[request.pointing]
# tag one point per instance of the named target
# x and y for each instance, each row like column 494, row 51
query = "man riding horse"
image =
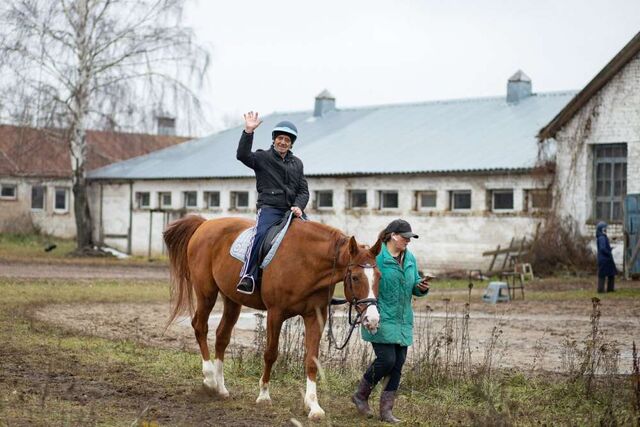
column 280, row 183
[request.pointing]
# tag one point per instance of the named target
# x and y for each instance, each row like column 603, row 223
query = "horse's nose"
column 371, row 318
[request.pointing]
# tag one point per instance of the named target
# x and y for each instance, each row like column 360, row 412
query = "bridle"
column 354, row 302
column 348, row 282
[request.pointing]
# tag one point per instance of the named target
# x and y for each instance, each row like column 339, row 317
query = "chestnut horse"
column 299, row 281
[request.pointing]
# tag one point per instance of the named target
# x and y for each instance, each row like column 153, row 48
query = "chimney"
column 325, row 102
column 518, row 87
column 166, row 125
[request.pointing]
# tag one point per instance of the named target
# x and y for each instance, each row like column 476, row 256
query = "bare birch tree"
column 80, row 64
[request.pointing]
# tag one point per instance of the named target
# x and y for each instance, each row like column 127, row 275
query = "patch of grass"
column 582, row 294
column 20, row 247
column 14, row 245
column 21, row 292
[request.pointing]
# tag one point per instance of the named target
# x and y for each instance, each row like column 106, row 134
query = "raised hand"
column 251, row 122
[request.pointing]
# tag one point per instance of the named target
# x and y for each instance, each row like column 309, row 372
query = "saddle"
column 272, row 241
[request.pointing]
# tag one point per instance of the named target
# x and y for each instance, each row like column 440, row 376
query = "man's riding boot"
column 246, row 285
column 387, row 398
column 361, row 398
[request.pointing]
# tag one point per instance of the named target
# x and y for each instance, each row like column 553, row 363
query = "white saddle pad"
column 241, row 246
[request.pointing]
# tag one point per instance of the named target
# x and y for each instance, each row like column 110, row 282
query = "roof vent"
column 325, row 102
column 518, row 87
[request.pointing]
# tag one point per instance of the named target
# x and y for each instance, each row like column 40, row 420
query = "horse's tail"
column 176, row 237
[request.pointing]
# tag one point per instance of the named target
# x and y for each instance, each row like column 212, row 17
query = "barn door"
column 632, row 232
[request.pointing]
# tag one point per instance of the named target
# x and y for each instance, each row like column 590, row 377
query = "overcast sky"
column 278, row 55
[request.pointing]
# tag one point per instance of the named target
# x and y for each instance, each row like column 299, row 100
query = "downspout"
column 130, row 217
column 101, row 226
column 150, row 232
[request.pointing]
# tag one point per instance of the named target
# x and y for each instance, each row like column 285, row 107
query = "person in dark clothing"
column 280, row 183
column 606, row 266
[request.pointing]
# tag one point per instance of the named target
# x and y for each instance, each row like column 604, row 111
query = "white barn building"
column 462, row 172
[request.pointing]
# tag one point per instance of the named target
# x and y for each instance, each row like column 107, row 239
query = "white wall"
column 448, row 240
column 57, row 222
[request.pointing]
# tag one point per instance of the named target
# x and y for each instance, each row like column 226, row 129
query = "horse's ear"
column 353, row 247
column 375, row 250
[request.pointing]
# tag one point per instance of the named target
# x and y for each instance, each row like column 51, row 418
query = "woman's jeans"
column 389, row 361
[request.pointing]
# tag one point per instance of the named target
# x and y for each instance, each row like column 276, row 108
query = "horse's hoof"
column 316, row 415
column 210, row 383
column 263, row 400
column 224, row 393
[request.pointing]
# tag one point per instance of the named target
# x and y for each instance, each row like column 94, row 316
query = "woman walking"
column 399, row 282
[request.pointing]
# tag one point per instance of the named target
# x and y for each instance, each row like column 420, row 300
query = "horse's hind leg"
column 205, row 303
column 223, row 336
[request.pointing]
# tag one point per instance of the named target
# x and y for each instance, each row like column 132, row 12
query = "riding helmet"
column 287, row 128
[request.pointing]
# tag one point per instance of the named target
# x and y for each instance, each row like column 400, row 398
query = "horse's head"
column 361, row 282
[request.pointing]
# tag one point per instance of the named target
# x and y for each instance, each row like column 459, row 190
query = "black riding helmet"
column 286, row 128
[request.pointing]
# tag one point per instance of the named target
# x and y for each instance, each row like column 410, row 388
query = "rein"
column 353, row 322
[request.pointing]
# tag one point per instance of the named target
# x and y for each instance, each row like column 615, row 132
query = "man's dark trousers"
column 265, row 218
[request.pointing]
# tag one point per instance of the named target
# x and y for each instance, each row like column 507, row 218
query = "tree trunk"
column 78, row 135
column 84, row 223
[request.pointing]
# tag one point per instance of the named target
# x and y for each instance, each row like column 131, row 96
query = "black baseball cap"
column 401, row 227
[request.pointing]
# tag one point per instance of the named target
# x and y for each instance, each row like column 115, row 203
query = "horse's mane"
column 324, row 232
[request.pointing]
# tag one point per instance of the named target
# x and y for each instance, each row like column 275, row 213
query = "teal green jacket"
column 397, row 286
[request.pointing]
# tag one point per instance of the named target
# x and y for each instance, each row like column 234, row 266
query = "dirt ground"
column 31, row 270
column 533, row 333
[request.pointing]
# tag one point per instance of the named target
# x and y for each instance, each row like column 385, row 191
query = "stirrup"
column 338, row 301
column 246, row 282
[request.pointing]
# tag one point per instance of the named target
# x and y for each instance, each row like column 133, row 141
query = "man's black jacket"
column 280, row 182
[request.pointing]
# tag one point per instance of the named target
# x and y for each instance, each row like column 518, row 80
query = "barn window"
column 537, row 199
column 239, row 199
column 143, row 199
column 190, row 199
column 212, row 199
column 165, row 199
column 61, row 199
column 8, row 191
column 501, row 200
column 610, row 171
column 425, row 200
column 460, row 200
column 388, row 199
column 324, row 199
column 357, row 198
column 38, row 193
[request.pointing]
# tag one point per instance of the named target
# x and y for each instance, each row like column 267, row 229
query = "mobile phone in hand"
column 428, row 277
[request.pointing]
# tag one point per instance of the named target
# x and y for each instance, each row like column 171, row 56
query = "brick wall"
column 611, row 116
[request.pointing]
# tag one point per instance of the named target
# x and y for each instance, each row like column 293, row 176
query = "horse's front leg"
column 313, row 324
column 223, row 336
column 275, row 318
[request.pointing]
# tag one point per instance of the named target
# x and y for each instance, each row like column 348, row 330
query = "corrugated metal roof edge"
column 439, row 101
column 329, row 175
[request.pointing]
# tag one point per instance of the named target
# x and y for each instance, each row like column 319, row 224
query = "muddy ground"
column 530, row 330
column 32, row 270
column 531, row 333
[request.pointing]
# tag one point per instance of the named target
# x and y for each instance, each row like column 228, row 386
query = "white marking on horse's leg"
column 311, row 401
column 263, row 397
column 218, row 368
column 209, row 376
column 372, row 316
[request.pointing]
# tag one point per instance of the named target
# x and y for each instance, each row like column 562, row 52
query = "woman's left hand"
column 423, row 286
